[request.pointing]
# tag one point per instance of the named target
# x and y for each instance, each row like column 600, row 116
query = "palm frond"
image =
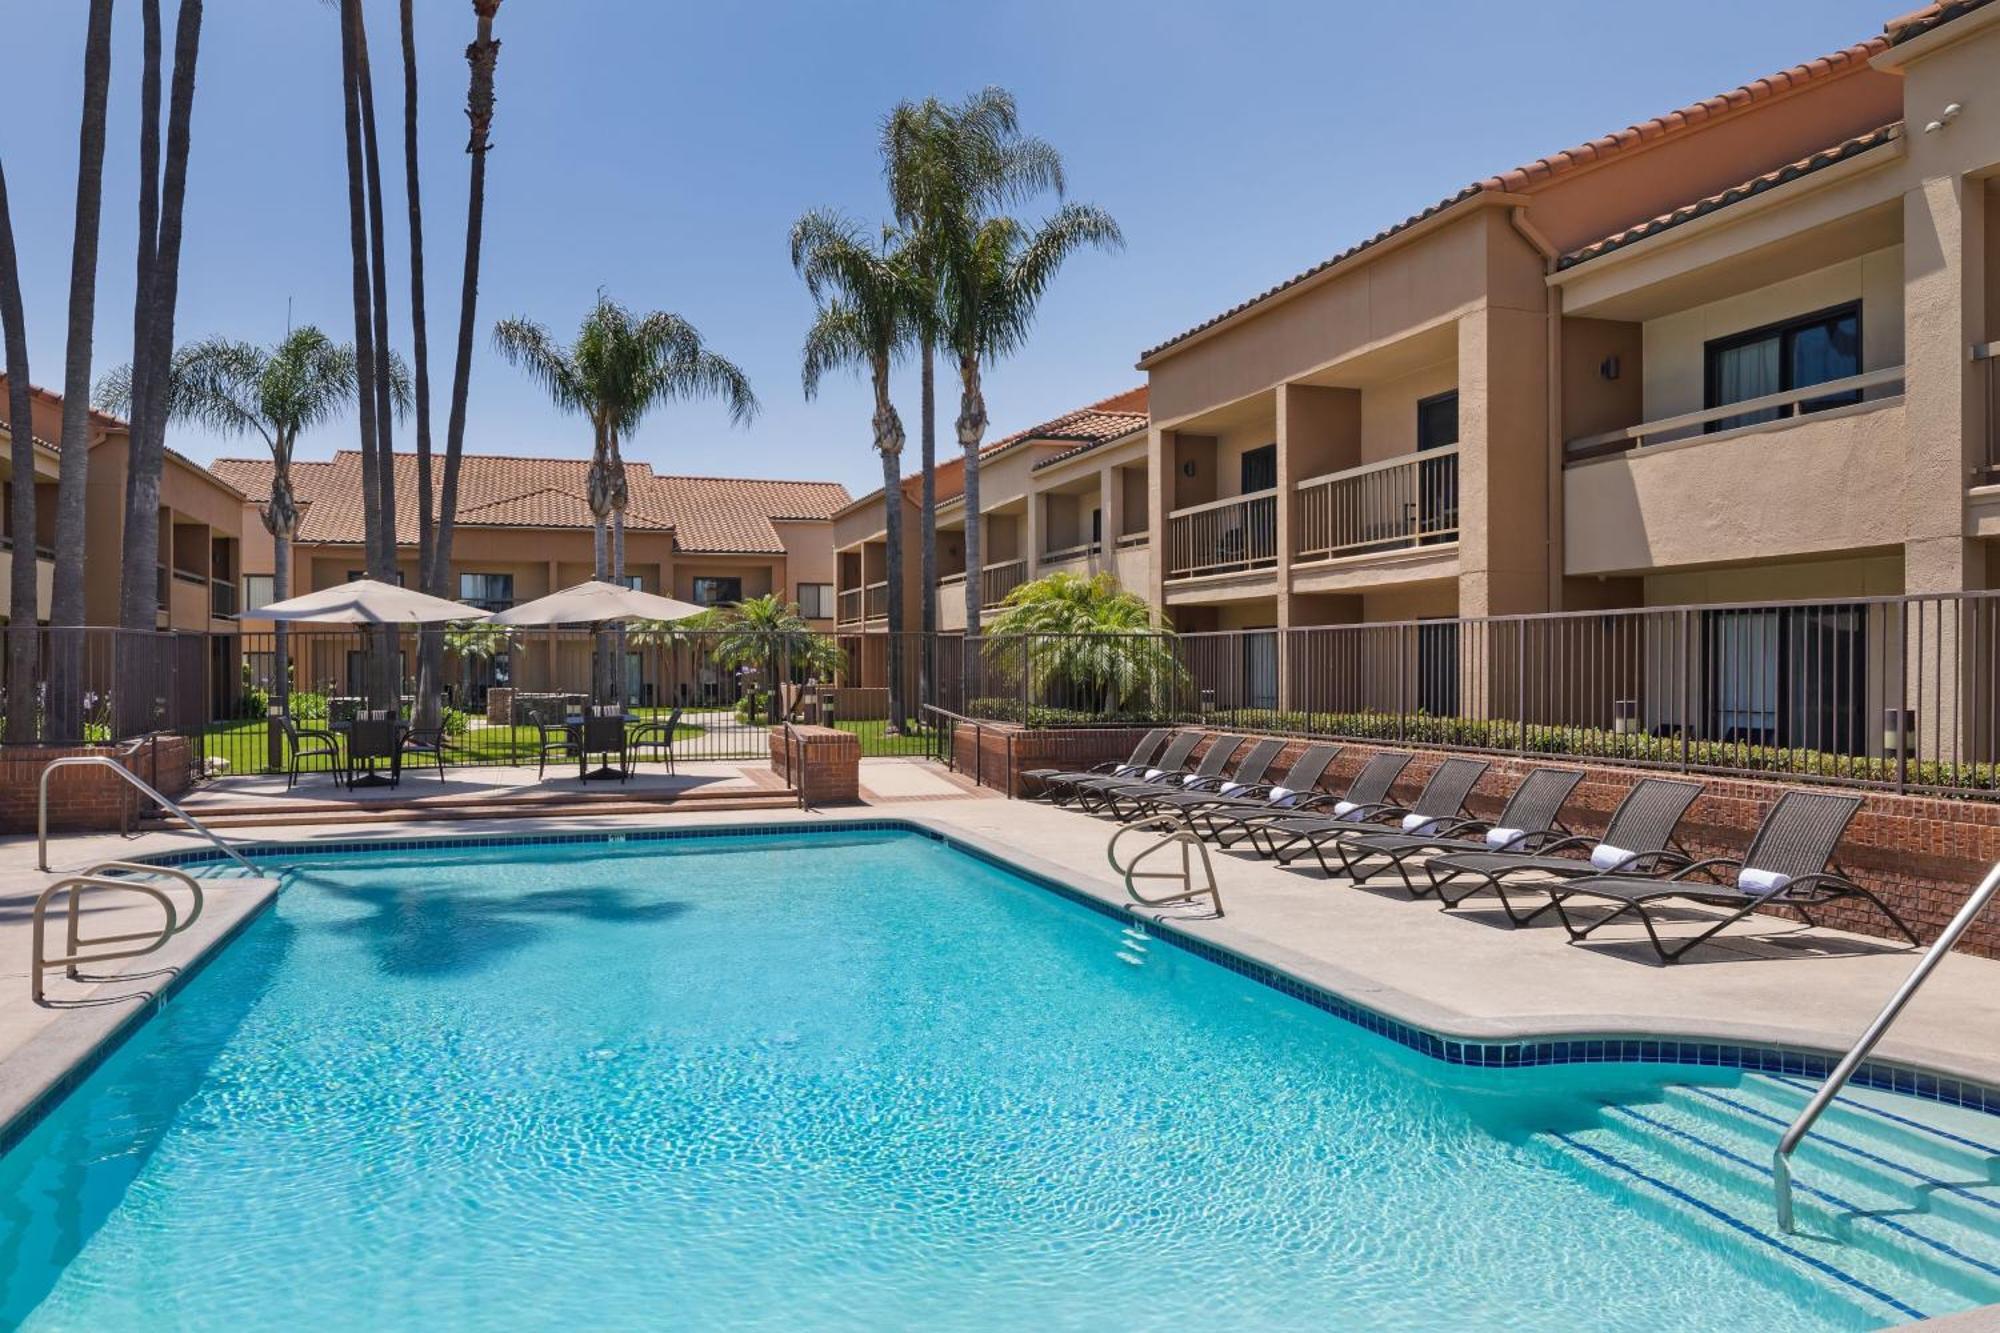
column 529, row 346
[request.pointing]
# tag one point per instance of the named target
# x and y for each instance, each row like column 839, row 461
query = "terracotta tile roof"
column 1756, row 185
column 1532, row 175
column 705, row 514
column 1918, row 22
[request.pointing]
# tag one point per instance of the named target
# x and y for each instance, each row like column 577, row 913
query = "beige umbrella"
column 595, row 603
column 367, row 602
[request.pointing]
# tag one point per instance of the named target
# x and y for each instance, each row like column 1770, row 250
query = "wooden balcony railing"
column 1986, row 357
column 1398, row 502
column 877, row 599
column 997, row 580
column 849, row 606
column 1223, row 536
column 1747, row 412
column 1066, row 554
column 222, row 599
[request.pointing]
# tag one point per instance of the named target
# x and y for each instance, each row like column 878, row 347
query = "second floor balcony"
column 1391, row 505
column 1229, row 536
column 848, row 608
column 995, row 582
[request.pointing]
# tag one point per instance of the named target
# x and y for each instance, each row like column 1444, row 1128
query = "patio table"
column 370, row 739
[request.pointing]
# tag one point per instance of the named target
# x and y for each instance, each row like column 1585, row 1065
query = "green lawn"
column 877, row 743
column 244, row 743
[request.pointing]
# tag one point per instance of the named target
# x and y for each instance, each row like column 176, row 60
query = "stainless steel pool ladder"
column 145, row 787
column 106, row 876
column 1781, row 1156
column 1174, row 831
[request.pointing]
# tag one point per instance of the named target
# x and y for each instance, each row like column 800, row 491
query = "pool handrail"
column 145, row 787
column 114, row 875
column 1781, row 1156
column 1175, row 829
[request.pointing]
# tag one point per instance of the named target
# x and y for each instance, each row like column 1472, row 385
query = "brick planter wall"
column 87, row 799
column 1923, row 854
column 830, row 763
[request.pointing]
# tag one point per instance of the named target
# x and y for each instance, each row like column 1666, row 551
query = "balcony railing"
column 1132, row 539
column 222, row 599
column 1730, row 416
column 877, row 600
column 1385, row 506
column 1223, row 536
column 1987, row 359
column 997, row 580
column 1064, row 555
column 849, row 606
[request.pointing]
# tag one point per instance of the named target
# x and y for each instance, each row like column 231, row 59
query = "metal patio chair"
column 306, row 743
column 1789, row 864
column 1531, row 817
column 1637, row 840
column 657, row 734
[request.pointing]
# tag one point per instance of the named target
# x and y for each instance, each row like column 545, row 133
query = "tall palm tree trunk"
column 482, row 55
column 365, row 350
column 971, row 429
column 23, row 611
column 430, row 650
column 281, row 647
column 66, row 607
column 893, row 540
column 387, row 639
column 927, row 566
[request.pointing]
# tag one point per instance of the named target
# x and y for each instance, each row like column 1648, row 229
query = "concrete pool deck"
column 1767, row 981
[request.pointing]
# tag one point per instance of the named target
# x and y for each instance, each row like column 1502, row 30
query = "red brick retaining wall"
column 87, row 799
column 829, row 763
column 1923, row 854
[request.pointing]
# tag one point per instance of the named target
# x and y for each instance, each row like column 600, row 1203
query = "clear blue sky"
column 662, row 150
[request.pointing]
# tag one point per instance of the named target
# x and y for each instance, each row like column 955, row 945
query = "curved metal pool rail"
column 1175, row 831
column 146, row 788
column 1781, row 1156
column 117, row 876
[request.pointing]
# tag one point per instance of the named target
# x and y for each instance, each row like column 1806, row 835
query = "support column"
column 1111, row 518
column 1160, row 466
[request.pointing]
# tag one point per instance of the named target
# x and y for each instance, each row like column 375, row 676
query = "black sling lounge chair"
column 1638, row 840
column 1219, row 815
column 1531, row 817
column 1172, row 759
column 1049, row 780
column 1124, row 801
column 1250, row 770
column 1368, row 791
column 1440, row 803
column 1787, row 866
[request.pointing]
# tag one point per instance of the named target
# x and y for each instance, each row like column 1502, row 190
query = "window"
column 816, row 601
column 632, row 581
column 354, row 574
column 1260, row 469
column 488, row 592
column 1792, row 355
column 1097, row 527
column 259, row 590
column 1437, row 421
column 717, row 591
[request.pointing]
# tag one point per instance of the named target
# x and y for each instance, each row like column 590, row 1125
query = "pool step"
column 1897, row 1202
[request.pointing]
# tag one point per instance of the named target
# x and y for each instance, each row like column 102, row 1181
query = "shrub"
column 308, row 706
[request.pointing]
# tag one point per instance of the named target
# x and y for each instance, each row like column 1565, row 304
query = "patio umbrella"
column 366, row 602
column 596, row 603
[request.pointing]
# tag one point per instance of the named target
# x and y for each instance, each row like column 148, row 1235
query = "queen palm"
column 769, row 633
column 1087, row 637
column 863, row 293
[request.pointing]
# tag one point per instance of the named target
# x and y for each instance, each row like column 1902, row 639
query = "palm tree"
column 66, row 608
column 945, row 164
column 769, row 633
column 23, row 601
column 276, row 393
column 863, row 292
column 1083, row 637
column 618, row 369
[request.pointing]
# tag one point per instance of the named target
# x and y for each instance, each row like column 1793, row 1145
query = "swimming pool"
column 841, row 1079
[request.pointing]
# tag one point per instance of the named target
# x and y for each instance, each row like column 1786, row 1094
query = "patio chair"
column 374, row 734
column 1124, row 800
column 659, row 735
column 1369, row 790
column 1789, row 864
column 605, row 735
column 1170, row 762
column 1048, row 779
column 306, row 743
column 1439, row 804
column 1531, row 817
column 555, row 738
column 1217, row 815
column 1249, row 772
column 1637, row 840
column 427, row 742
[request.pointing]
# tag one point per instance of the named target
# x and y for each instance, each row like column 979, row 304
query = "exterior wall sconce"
column 1624, row 716
column 1187, row 468
column 1609, row 368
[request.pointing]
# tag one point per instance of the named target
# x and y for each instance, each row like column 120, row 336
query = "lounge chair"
column 1049, row 779
column 1170, row 761
column 1440, row 803
column 1789, row 864
column 1638, row 840
column 1250, row 771
column 1369, row 790
column 1125, row 800
column 1531, row 817
column 1219, row 815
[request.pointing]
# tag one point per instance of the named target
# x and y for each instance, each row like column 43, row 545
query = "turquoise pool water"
column 831, row 1080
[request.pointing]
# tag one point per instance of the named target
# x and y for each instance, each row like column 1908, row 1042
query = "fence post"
column 1402, row 682
column 1521, row 686
column 1903, row 737
column 1686, row 702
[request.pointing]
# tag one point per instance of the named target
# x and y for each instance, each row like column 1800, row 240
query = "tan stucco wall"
column 1855, row 576
column 1787, row 489
column 1674, row 345
column 1389, row 410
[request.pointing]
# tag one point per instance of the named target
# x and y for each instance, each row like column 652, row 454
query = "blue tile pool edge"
column 1521, row 1053
column 38, row 1108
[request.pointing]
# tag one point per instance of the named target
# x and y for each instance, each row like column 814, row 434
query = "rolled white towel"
column 1606, row 857
column 1752, row 880
column 1420, row 824
column 1502, row 837
column 1284, row 797
column 1155, row 774
column 1345, row 809
column 1233, row 789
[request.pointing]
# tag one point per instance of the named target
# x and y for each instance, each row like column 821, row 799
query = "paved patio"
column 1771, row 981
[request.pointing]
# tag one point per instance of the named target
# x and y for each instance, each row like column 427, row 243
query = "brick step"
column 417, row 800
column 377, row 811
